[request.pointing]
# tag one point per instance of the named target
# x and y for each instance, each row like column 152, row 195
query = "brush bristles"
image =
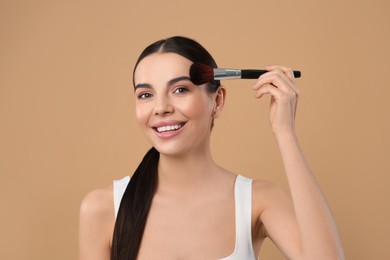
column 201, row 73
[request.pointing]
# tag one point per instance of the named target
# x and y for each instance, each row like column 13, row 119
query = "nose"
column 163, row 106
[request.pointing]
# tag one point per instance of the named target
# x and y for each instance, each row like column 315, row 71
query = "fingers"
column 286, row 70
column 269, row 89
column 278, row 82
column 279, row 77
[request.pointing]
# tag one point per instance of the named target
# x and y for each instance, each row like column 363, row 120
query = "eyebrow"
column 170, row 82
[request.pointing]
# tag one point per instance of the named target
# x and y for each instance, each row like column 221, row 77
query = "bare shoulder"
column 98, row 203
column 96, row 224
column 267, row 194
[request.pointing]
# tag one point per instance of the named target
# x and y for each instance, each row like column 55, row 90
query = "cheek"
column 141, row 115
column 196, row 108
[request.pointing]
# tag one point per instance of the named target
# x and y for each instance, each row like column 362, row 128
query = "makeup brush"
column 201, row 73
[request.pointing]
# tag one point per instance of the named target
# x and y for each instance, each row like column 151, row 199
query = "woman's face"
column 174, row 114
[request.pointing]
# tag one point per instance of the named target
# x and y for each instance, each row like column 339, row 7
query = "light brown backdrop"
column 66, row 106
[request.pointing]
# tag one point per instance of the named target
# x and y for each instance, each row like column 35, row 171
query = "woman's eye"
column 180, row 90
column 144, row 95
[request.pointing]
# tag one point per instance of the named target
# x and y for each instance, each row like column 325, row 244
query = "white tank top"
column 243, row 209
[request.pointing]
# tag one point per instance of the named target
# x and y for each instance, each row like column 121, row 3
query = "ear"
column 219, row 101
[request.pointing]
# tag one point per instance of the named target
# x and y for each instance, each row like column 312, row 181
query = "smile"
column 169, row 128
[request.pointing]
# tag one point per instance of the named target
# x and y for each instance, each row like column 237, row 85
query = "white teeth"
column 168, row 128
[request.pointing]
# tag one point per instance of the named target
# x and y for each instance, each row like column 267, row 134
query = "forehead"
column 161, row 67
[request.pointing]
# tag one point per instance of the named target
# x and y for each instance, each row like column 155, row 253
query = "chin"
column 178, row 146
column 171, row 150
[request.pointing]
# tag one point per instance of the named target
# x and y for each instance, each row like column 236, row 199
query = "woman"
column 180, row 204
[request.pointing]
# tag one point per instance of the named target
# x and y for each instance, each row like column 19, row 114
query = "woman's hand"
column 279, row 83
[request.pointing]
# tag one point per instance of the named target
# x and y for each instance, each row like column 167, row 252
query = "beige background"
column 66, row 106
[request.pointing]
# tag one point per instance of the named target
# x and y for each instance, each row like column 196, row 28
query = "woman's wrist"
column 286, row 135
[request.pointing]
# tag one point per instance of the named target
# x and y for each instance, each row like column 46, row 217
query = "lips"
column 168, row 129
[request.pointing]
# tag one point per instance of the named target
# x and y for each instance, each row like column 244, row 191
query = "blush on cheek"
column 194, row 108
column 141, row 117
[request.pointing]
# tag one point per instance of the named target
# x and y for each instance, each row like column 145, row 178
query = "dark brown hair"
column 138, row 196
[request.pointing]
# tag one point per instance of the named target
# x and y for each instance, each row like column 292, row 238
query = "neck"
column 185, row 172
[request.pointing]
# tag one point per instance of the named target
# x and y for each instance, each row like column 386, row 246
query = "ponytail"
column 134, row 209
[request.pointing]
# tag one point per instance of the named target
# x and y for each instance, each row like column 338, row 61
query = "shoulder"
column 266, row 194
column 98, row 202
column 97, row 210
column 271, row 206
column 266, row 188
column 96, row 223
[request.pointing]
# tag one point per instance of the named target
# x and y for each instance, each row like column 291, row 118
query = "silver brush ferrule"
column 227, row 74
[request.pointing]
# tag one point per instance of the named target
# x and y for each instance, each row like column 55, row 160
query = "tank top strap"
column 119, row 187
column 243, row 205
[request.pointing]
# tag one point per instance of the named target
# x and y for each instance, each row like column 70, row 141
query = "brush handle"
column 254, row 74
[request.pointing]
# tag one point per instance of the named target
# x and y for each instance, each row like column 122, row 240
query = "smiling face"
column 174, row 114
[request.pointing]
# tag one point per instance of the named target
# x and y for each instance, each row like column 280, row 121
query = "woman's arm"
column 96, row 225
column 304, row 229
